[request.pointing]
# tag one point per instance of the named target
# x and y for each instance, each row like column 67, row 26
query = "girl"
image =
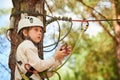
column 29, row 65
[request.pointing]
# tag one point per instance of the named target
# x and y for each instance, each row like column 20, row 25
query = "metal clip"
column 84, row 25
column 65, row 46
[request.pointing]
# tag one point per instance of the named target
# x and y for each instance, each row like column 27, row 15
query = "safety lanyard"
column 24, row 77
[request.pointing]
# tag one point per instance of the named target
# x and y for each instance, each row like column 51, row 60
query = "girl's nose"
column 39, row 32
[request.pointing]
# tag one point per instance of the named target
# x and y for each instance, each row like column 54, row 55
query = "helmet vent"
column 30, row 19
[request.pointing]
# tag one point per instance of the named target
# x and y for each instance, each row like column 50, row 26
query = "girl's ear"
column 25, row 33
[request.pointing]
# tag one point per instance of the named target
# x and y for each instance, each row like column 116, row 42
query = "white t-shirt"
column 27, row 53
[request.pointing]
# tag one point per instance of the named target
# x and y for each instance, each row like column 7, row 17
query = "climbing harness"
column 24, row 76
column 30, row 72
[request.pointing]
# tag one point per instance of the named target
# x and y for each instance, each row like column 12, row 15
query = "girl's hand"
column 66, row 48
column 63, row 52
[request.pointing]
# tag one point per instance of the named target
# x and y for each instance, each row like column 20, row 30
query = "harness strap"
column 24, row 77
column 27, row 75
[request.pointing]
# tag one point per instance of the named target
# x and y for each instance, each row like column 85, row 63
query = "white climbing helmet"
column 29, row 21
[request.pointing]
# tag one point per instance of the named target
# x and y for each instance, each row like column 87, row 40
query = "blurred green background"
column 95, row 58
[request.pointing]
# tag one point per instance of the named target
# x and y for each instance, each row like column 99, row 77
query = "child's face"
column 35, row 33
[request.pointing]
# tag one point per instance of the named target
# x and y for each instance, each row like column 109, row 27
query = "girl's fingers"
column 63, row 51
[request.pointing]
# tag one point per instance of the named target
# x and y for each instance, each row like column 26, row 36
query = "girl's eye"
column 40, row 30
column 36, row 29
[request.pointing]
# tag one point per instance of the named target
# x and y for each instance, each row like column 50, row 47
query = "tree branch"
column 99, row 21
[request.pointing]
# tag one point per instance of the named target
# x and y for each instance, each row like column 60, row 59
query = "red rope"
column 81, row 20
column 96, row 20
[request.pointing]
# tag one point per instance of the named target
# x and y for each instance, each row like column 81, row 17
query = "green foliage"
column 100, row 61
column 3, row 30
column 4, row 11
column 94, row 59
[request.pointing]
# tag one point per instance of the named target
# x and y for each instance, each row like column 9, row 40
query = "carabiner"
column 65, row 46
column 84, row 27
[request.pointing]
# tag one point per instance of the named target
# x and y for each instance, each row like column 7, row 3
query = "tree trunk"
column 24, row 7
column 116, row 24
